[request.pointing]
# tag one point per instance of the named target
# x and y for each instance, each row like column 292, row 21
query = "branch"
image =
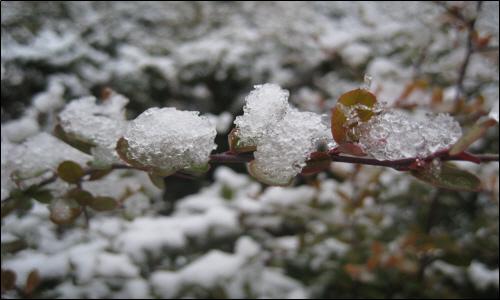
column 471, row 31
column 398, row 164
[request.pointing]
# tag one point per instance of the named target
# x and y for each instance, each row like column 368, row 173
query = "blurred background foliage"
column 353, row 231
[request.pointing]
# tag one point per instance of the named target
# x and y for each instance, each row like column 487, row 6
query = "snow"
column 394, row 134
column 282, row 151
column 494, row 112
column 41, row 153
column 18, row 130
column 170, row 139
column 264, row 106
column 481, row 276
column 115, row 265
column 101, row 125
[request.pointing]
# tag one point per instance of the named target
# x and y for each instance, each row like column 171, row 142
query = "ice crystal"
column 394, row 134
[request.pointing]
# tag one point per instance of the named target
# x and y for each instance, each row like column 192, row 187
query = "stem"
column 403, row 164
column 469, row 51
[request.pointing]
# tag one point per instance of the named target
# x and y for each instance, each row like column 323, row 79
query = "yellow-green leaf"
column 157, row 181
column 448, row 176
column 103, row 203
column 264, row 178
column 476, row 132
column 81, row 196
column 71, row 140
column 70, row 171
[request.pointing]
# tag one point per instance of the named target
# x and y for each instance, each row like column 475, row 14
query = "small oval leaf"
column 32, row 282
column 81, row 196
column 476, row 132
column 103, row 203
column 360, row 103
column 70, row 171
column 157, row 181
column 43, row 196
column 64, row 211
column 264, row 178
column 448, row 176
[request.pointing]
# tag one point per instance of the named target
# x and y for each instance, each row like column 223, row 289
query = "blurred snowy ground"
column 354, row 232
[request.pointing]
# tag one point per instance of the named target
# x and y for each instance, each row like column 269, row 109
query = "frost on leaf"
column 99, row 125
column 395, row 134
column 264, row 106
column 41, row 153
column 167, row 140
column 282, row 152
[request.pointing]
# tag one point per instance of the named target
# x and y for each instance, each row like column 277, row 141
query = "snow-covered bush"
column 365, row 128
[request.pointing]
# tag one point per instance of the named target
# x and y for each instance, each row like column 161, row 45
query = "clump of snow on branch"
column 282, row 152
column 265, row 105
column 40, row 153
column 101, row 125
column 170, row 139
column 394, row 134
column 283, row 135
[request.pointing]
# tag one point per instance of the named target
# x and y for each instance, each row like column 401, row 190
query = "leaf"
column 264, row 178
column 32, row 282
column 81, row 196
column 98, row 174
column 8, row 280
column 43, row 196
column 71, row 140
column 70, row 171
column 235, row 144
column 362, row 101
column 157, row 181
column 449, row 177
column 64, row 211
column 103, row 203
column 197, row 170
column 317, row 162
column 476, row 132
column 122, row 150
column 352, row 149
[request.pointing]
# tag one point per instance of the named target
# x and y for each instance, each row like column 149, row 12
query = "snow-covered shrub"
column 339, row 105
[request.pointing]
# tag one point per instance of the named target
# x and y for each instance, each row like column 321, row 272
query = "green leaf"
column 362, row 101
column 43, row 196
column 70, row 171
column 72, row 141
column 476, row 132
column 103, row 203
column 157, row 181
column 449, row 177
column 197, row 170
column 122, row 150
column 81, row 196
column 98, row 174
column 64, row 211
column 264, row 178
